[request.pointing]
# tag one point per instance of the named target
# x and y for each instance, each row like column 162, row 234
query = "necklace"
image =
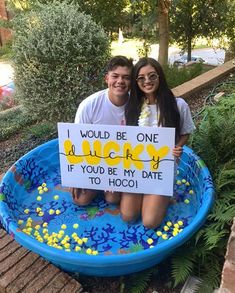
column 147, row 117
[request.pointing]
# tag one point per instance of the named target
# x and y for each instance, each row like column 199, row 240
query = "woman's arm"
column 177, row 150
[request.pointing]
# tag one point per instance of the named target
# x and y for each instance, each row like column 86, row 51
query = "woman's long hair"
column 166, row 101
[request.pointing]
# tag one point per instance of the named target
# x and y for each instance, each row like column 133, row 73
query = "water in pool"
column 48, row 214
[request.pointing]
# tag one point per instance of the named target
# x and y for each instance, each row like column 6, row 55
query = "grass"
column 127, row 48
column 5, row 52
column 130, row 47
column 42, row 129
column 17, row 121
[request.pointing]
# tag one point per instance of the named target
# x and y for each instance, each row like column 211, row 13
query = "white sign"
column 117, row 158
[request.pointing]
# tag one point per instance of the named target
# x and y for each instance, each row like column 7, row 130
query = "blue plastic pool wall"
column 190, row 168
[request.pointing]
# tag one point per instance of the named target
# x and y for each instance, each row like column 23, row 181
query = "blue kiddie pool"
column 40, row 214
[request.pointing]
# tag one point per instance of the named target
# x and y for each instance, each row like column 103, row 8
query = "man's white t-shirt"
column 98, row 109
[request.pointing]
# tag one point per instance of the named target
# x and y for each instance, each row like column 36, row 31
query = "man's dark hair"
column 119, row 61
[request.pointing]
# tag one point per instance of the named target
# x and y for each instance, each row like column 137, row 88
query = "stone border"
column 196, row 84
column 228, row 273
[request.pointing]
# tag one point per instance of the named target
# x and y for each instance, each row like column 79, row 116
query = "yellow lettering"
column 69, row 150
column 94, row 153
column 95, row 157
column 110, row 157
column 156, row 155
column 131, row 156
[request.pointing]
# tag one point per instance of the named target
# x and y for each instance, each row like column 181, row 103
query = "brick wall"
column 3, row 12
column 228, row 274
column 5, row 34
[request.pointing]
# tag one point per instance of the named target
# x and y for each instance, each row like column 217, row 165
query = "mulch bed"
column 17, row 146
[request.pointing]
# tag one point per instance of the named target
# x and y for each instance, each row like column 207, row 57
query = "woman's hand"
column 177, row 151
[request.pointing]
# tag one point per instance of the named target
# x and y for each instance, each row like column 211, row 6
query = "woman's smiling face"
column 148, row 80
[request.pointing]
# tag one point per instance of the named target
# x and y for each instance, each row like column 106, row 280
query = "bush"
column 13, row 121
column 42, row 130
column 176, row 75
column 214, row 139
column 59, row 56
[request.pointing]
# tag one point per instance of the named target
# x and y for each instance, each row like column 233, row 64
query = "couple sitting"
column 150, row 102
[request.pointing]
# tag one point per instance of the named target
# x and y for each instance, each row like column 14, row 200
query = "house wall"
column 5, row 34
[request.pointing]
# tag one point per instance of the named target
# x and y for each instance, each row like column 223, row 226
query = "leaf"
column 226, row 176
column 138, row 282
column 212, row 237
column 182, row 268
column 210, row 274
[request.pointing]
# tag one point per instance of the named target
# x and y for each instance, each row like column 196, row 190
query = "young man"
column 106, row 107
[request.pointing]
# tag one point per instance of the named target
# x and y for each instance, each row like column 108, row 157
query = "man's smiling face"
column 118, row 81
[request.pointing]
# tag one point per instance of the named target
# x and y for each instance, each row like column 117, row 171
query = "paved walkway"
column 22, row 271
column 6, row 73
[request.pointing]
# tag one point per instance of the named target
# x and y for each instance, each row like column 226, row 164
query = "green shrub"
column 13, row 121
column 177, row 75
column 42, row 130
column 214, row 139
column 59, row 56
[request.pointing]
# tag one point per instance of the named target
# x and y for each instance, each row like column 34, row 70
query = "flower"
column 145, row 114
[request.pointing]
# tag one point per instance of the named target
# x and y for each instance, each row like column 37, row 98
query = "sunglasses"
column 150, row 77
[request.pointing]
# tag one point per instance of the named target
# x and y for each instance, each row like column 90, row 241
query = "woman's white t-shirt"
column 186, row 121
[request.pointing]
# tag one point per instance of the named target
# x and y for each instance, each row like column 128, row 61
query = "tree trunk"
column 189, row 40
column 189, row 49
column 163, row 8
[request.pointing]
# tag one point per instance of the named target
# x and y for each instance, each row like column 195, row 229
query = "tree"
column 163, row 9
column 230, row 31
column 142, row 18
column 147, row 16
column 194, row 18
column 110, row 14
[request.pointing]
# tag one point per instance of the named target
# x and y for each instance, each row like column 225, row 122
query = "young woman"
column 152, row 103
